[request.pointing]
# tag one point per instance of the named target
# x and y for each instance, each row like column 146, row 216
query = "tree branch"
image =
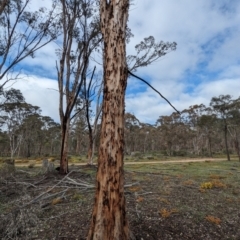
column 154, row 90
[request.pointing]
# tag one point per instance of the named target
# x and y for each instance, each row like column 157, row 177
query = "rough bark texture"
column 109, row 215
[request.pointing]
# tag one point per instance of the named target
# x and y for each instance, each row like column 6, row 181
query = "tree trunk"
column 109, row 214
column 210, row 146
column 90, row 150
column 64, row 147
column 226, row 143
column 236, row 143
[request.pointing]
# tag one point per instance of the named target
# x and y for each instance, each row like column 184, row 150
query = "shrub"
column 213, row 184
column 218, row 184
column 206, row 185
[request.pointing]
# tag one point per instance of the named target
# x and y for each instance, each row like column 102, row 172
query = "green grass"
column 228, row 171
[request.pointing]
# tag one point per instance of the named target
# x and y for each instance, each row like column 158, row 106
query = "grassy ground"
column 164, row 201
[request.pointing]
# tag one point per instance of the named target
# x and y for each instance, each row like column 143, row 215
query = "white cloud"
column 207, row 33
column 205, row 64
column 39, row 91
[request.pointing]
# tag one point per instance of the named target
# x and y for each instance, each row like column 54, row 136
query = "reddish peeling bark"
column 109, row 219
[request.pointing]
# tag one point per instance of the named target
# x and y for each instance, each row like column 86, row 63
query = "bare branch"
column 154, row 90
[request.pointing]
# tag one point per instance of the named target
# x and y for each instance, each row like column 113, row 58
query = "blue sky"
column 205, row 64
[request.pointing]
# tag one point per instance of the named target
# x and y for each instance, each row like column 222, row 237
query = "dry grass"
column 213, row 219
column 156, row 209
column 135, row 188
column 165, row 213
column 164, row 200
column 139, row 199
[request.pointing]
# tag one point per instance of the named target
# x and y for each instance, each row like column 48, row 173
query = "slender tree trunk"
column 90, row 149
column 64, row 148
column 236, row 143
column 226, row 143
column 109, row 221
column 93, row 130
column 40, row 149
column 210, row 146
column 78, row 145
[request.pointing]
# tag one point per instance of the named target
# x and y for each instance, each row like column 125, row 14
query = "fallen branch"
column 38, row 197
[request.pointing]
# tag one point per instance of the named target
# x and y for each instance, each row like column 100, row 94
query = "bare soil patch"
column 182, row 201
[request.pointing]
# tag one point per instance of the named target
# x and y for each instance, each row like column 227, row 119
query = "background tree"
column 207, row 124
column 132, row 126
column 89, row 95
column 191, row 117
column 80, row 39
column 173, row 132
column 13, row 112
column 222, row 105
column 234, row 124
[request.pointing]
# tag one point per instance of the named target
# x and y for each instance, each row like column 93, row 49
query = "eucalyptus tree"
column 4, row 144
column 148, row 51
column 22, row 33
column 12, row 115
column 109, row 220
column 78, row 132
column 80, row 38
column 92, row 129
column 207, row 124
column 222, row 106
column 132, row 126
column 145, row 137
column 234, row 124
column 191, row 118
column 40, row 134
column 31, row 133
column 173, row 132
